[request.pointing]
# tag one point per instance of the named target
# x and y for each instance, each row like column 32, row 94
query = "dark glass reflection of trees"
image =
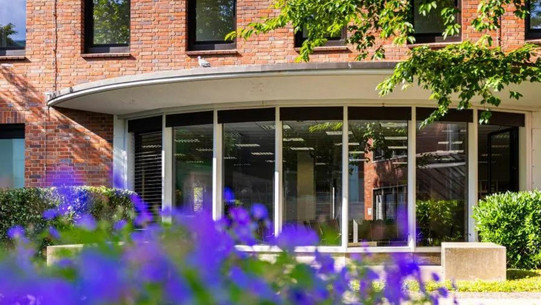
column 111, row 22
column 214, row 19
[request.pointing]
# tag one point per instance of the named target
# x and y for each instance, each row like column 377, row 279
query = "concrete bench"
column 55, row 253
column 473, row 261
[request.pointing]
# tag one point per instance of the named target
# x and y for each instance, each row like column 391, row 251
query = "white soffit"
column 239, row 84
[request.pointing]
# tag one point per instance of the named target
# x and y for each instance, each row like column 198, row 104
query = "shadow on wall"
column 71, row 146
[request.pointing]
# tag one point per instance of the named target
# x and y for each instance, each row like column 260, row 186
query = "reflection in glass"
column 193, row 167
column 13, row 24
column 498, row 159
column 441, row 183
column 249, row 166
column 433, row 22
column 535, row 14
column 214, row 19
column 111, row 22
column 378, row 175
column 312, row 153
column 12, row 164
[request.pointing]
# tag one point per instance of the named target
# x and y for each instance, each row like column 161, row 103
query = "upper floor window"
column 533, row 21
column 12, row 27
column 209, row 21
column 107, row 25
column 430, row 28
column 332, row 41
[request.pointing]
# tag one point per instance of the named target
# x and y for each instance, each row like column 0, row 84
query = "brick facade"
column 77, row 146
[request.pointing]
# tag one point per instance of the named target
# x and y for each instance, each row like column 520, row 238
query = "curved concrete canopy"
column 311, row 82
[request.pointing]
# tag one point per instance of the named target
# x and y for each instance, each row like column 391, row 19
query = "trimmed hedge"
column 513, row 220
column 26, row 206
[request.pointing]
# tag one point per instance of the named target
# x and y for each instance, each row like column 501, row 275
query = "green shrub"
column 26, row 206
column 513, row 220
column 440, row 221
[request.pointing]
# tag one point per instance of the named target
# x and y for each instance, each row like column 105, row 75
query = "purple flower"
column 296, row 236
column 86, row 222
column 54, row 233
column 259, row 211
column 119, row 225
column 16, row 232
column 50, row 214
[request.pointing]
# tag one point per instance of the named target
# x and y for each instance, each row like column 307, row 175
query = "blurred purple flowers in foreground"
column 194, row 260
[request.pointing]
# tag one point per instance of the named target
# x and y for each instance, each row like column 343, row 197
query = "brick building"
column 112, row 93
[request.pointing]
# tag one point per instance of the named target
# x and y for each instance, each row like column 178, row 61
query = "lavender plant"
column 194, row 260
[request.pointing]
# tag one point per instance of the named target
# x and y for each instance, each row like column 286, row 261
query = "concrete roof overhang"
column 265, row 84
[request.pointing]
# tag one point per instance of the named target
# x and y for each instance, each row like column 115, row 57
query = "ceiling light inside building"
column 248, row 145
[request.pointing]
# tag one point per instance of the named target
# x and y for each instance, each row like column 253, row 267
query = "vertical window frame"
column 193, row 45
column 89, row 46
column 530, row 33
column 436, row 37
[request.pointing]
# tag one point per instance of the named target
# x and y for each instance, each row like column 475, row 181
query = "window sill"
column 212, row 52
column 434, row 45
column 12, row 57
column 106, row 55
column 325, row 49
column 533, row 40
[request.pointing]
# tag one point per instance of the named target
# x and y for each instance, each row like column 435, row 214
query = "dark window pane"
column 214, row 19
column 12, row 165
column 498, row 159
column 249, row 168
column 535, row 15
column 378, row 177
column 13, row 24
column 441, row 183
column 111, row 22
column 312, row 182
column 432, row 23
column 193, row 168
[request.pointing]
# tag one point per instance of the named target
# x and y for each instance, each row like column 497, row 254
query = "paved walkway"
column 499, row 298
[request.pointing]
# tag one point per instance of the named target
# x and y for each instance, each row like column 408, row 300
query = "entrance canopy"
column 233, row 84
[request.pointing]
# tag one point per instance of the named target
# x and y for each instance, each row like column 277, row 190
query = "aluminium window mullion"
column 217, row 177
column 345, row 178
column 278, row 171
column 412, row 153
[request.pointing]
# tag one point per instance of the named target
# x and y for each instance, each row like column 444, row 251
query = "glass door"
column 502, row 157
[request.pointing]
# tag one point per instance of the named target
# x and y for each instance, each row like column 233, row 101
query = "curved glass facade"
column 358, row 176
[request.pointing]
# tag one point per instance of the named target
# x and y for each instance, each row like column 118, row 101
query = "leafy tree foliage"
column 111, row 22
column 457, row 74
column 5, row 32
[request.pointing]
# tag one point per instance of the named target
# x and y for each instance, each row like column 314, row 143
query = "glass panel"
column 498, row 159
column 433, row 22
column 148, row 169
column 535, row 14
column 12, row 165
column 193, row 168
column 312, row 153
column 249, row 166
column 13, row 24
column 378, row 177
column 214, row 19
column 441, row 183
column 111, row 22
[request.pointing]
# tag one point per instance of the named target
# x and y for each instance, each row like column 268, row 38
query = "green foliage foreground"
column 27, row 207
column 517, row 281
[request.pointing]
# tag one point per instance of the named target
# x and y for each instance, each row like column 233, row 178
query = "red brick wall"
column 77, row 146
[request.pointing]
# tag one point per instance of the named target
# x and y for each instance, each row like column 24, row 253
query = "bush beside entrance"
column 513, row 220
